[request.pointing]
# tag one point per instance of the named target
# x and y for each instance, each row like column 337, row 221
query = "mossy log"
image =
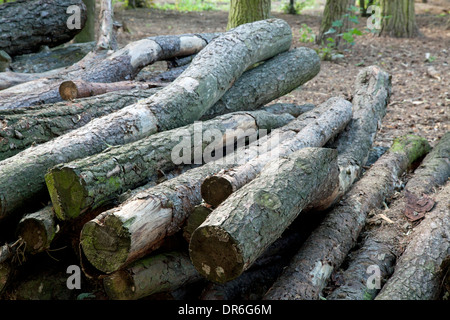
column 331, row 117
column 195, row 219
column 237, row 232
column 380, row 247
column 147, row 217
column 29, row 126
column 180, row 103
column 420, row 271
column 26, row 25
column 103, row 67
column 153, row 274
column 99, row 179
column 329, row 244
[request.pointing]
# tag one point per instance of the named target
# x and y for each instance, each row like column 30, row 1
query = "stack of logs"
column 117, row 171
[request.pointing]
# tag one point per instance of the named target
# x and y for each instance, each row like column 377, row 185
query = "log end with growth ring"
column 34, row 234
column 67, row 192
column 105, row 243
column 68, row 90
column 223, row 255
column 119, row 285
column 216, row 189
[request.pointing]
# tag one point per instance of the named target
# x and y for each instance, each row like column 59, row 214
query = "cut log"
column 226, row 244
column 331, row 117
column 71, row 90
column 380, row 247
column 123, row 64
column 162, row 210
column 26, row 25
column 9, row 79
column 372, row 93
column 25, row 127
column 195, row 219
column 421, row 268
column 159, row 273
column 38, row 230
column 99, row 179
column 55, row 58
column 180, row 103
column 329, row 244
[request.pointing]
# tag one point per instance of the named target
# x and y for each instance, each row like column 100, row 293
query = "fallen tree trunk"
column 160, row 211
column 25, row 127
column 331, row 117
column 123, row 64
column 26, row 25
column 226, row 244
column 99, row 179
column 160, row 273
column 329, row 244
column 421, row 268
column 9, row 79
column 180, row 103
column 380, row 246
column 77, row 89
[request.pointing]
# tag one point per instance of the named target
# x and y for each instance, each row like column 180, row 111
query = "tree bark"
column 381, row 245
column 334, row 10
column 146, row 218
column 372, row 94
column 99, row 179
column 159, row 273
column 87, row 34
column 77, row 89
column 226, row 244
column 398, row 19
column 123, row 64
column 26, row 127
column 329, row 244
column 331, row 117
column 421, row 268
column 27, row 25
column 157, row 211
column 182, row 102
column 246, row 11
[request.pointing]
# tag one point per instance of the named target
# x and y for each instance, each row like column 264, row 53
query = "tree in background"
column 88, row 32
column 398, row 18
column 246, row 11
column 333, row 19
column 363, row 6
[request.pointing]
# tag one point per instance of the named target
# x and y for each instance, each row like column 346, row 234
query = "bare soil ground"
column 421, row 98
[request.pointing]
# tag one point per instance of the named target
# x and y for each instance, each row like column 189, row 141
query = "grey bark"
column 329, row 244
column 27, row 25
column 161, row 210
column 331, row 117
column 180, row 103
column 421, row 268
column 381, row 245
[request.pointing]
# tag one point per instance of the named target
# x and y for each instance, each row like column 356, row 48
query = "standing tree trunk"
column 87, row 34
column 245, row 11
column 334, row 11
column 398, row 19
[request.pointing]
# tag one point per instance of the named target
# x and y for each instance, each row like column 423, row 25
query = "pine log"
column 103, row 67
column 331, row 117
column 54, row 58
column 372, row 93
column 29, row 126
column 420, row 270
column 182, row 102
column 381, row 245
column 38, row 230
column 226, row 244
column 159, row 273
column 143, row 220
column 99, row 179
column 329, row 244
column 26, row 25
column 71, row 90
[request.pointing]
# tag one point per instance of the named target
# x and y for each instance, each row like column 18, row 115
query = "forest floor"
column 420, row 102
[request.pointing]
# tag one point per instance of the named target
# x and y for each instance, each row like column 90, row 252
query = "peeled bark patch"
column 237, row 232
